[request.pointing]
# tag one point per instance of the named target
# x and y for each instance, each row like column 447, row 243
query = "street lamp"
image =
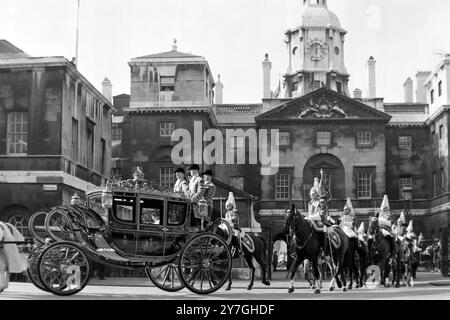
column 407, row 197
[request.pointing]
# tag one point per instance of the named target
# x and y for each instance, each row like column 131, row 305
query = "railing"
column 238, row 110
column 402, row 108
column 338, row 204
column 169, row 104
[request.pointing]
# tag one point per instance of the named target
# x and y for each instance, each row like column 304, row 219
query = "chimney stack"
column 421, row 93
column 408, row 90
column 357, row 94
column 107, row 89
column 219, row 91
column 267, row 67
column 371, row 64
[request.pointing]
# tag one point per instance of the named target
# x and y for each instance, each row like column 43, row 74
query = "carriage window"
column 176, row 213
column 152, row 212
column 124, row 209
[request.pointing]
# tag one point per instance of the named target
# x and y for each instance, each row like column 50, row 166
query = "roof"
column 173, row 54
column 8, row 50
column 237, row 113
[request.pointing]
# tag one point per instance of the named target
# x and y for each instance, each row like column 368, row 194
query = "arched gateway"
column 334, row 173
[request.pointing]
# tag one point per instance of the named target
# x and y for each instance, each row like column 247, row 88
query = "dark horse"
column 407, row 262
column 252, row 258
column 357, row 262
column 380, row 252
column 308, row 246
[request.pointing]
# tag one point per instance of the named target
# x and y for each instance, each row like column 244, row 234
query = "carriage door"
column 175, row 227
column 151, row 228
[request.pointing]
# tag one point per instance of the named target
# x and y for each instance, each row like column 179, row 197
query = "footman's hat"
column 208, row 173
column 180, row 170
column 194, row 167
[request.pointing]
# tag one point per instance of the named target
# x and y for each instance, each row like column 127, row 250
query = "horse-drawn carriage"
column 129, row 224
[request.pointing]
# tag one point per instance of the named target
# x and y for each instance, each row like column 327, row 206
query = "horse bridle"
column 296, row 217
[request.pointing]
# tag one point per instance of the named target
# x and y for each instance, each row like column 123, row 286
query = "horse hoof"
column 398, row 285
column 317, row 291
column 266, row 283
column 228, row 289
column 344, row 289
column 331, row 289
column 249, row 288
column 291, row 290
column 350, row 287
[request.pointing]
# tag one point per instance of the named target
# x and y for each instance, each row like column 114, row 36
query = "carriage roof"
column 142, row 188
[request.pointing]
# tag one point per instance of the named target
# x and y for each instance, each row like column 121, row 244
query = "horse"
column 431, row 255
column 254, row 257
column 361, row 262
column 380, row 250
column 406, row 262
column 309, row 243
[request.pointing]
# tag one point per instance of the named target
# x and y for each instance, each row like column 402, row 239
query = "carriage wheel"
column 37, row 226
column 64, row 269
column 32, row 270
column 205, row 263
column 166, row 278
column 58, row 226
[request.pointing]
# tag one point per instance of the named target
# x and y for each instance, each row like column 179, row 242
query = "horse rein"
column 301, row 247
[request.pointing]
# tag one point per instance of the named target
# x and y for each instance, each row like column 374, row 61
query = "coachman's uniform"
column 196, row 191
column 181, row 186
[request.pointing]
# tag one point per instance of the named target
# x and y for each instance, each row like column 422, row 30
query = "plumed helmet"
column 385, row 205
column 349, row 206
column 362, row 228
column 410, row 227
column 231, row 200
column 402, row 220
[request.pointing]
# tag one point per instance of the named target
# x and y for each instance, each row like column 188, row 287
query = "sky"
column 404, row 36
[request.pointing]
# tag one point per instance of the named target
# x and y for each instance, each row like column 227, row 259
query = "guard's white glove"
column 331, row 220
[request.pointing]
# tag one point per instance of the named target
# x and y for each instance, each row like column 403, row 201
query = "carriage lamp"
column 107, row 199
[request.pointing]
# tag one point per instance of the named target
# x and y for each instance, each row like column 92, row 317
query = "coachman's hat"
column 208, row 173
column 194, row 167
column 180, row 170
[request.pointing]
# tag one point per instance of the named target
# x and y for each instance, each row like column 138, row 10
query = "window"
column 176, row 213
column 405, row 142
column 124, row 209
column 443, row 187
column 103, row 157
column 434, row 184
column 17, row 139
column 167, row 83
column 116, row 173
column 440, row 88
column 324, row 138
column 75, row 140
column 237, row 183
column 364, row 187
column 364, row 138
column 432, row 96
column 403, row 183
column 282, row 186
column 238, row 143
column 285, row 139
column 166, row 178
column 90, row 146
column 116, row 132
column 295, row 86
column 152, row 212
column 441, row 131
column 167, row 128
column 339, row 87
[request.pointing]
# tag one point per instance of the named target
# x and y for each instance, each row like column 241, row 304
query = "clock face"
column 317, row 50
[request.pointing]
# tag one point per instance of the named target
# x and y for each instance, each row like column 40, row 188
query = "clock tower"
column 316, row 52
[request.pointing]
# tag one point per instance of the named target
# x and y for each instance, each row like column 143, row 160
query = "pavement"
column 278, row 281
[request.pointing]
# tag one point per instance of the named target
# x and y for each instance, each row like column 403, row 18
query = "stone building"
column 366, row 146
column 55, row 134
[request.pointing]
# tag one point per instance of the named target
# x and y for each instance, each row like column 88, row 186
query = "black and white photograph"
column 236, row 152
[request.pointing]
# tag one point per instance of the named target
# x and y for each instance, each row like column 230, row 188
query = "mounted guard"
column 348, row 220
column 385, row 220
column 232, row 216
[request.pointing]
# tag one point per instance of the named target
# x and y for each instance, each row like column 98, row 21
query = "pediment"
column 324, row 105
